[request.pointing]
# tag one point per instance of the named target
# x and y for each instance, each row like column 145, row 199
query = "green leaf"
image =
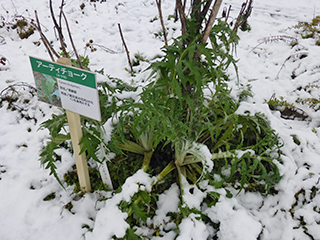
column 91, row 144
column 139, row 214
column 48, row 161
column 130, row 234
column 131, row 147
column 55, row 125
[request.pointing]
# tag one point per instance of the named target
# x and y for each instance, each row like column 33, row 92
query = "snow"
column 235, row 220
column 191, row 228
column 168, row 202
column 24, row 183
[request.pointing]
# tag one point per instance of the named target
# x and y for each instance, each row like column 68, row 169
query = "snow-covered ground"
column 293, row 213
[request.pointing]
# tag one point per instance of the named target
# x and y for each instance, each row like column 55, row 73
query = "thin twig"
column 184, row 5
column 108, row 50
column 182, row 17
column 125, row 46
column 176, row 12
column 59, row 29
column 299, row 55
column 71, row 40
column 287, row 39
column 60, row 14
column 244, row 14
column 44, row 39
column 226, row 13
column 162, row 24
column 206, row 8
column 212, row 18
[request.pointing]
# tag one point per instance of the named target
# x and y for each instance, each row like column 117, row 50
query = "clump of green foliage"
column 313, row 103
column 310, row 29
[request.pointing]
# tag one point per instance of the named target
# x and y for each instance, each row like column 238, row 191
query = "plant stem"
column 71, row 40
column 59, row 29
column 212, row 18
column 125, row 46
column 146, row 160
column 166, row 171
column 182, row 17
column 45, row 41
column 162, row 23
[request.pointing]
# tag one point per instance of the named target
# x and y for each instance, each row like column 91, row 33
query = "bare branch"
column 244, row 14
column 182, row 17
column 212, row 18
column 125, row 46
column 206, row 8
column 184, row 5
column 71, row 40
column 45, row 41
column 226, row 13
column 59, row 29
column 60, row 14
column 162, row 23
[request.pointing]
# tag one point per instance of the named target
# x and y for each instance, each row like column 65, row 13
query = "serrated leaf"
column 139, row 214
column 90, row 144
column 130, row 234
column 47, row 160
column 55, row 125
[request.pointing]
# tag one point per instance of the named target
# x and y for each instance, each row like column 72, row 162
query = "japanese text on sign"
column 61, row 72
column 71, row 74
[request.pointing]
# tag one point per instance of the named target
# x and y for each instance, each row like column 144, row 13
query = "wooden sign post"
column 81, row 161
column 76, row 135
column 75, row 90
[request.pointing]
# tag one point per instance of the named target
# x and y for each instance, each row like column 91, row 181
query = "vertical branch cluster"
column 58, row 26
column 44, row 39
column 180, row 9
column 199, row 10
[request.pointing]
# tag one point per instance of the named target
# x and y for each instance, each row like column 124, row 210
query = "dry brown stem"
column 211, row 20
column 182, row 15
column 59, row 28
column 71, row 40
column 45, row 41
column 125, row 46
column 244, row 14
column 162, row 23
column 206, row 8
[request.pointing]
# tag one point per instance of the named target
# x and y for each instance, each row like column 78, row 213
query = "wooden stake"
column 76, row 135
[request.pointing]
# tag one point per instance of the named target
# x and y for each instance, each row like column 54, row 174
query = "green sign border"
column 64, row 72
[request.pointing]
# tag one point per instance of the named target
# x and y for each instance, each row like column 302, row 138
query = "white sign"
column 70, row 88
column 79, row 99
